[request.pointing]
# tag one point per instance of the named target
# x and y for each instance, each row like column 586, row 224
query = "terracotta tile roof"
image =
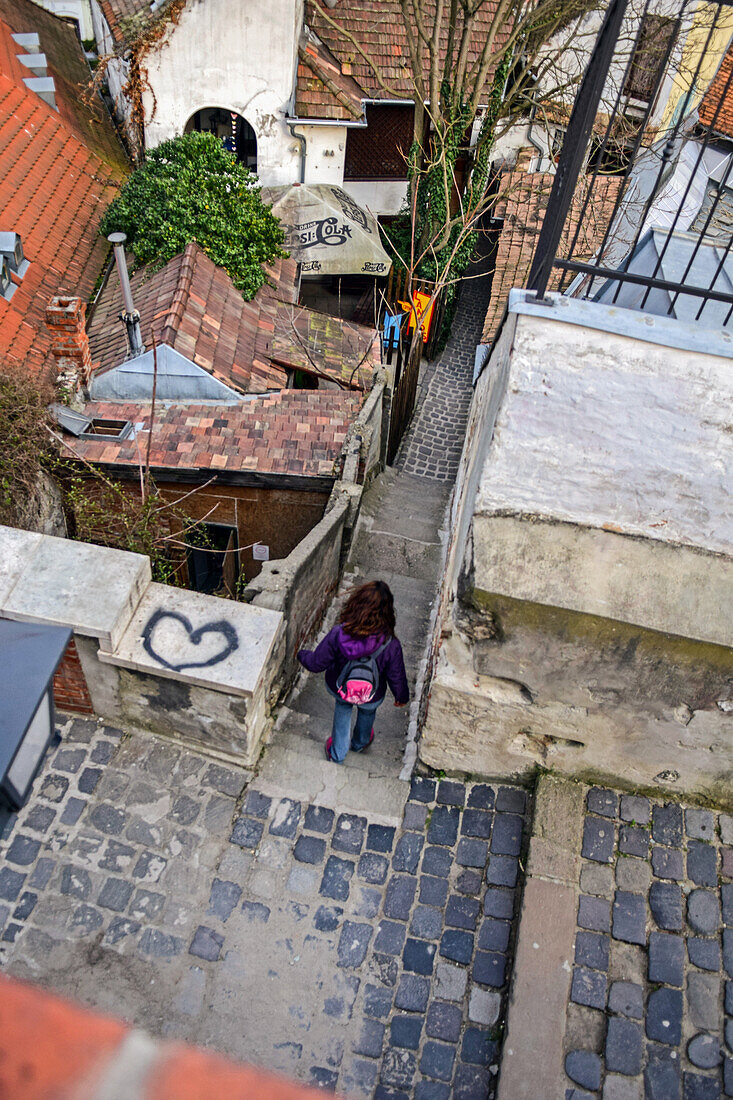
column 289, row 432
column 193, row 306
column 522, row 207
column 323, row 91
column 123, row 17
column 723, row 123
column 53, row 191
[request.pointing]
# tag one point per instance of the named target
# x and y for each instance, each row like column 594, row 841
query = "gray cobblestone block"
column 511, row 800
column 367, row 902
column 370, row 1039
column 323, row 1078
column 327, row 918
column 664, row 1016
column 633, row 875
column 398, row 1068
column 69, row 760
column 462, row 912
column 23, row 850
column 377, row 1001
column 418, row 956
column 665, row 902
column 427, row 922
column 704, row 954
column 40, row 818
column 506, row 834
column 149, row 867
column 318, row 819
column 704, row 1051
column 54, row 787
column 588, row 987
column 629, row 917
column 422, row 790
column 703, row 911
column 73, row 810
column 470, row 1082
column 159, row 944
column 107, row 818
column 603, row 802
column 405, row 1031
column 390, row 937
column 184, row 810
column 255, row 803
column 41, row 874
column 372, row 867
column 477, row 1047
column 286, row 818
column 353, row 944
column 247, row 832
column 309, row 849
column 729, row 999
column 443, row 827
column 728, row 1076
column 444, row 1020
column 89, row 779
column 482, row 797
column 451, row 793
column 700, row 824
column 358, row 1077
column 591, row 949
column 667, row 825
column 412, row 993
column 726, row 902
column 598, row 840
column 102, row 752
column 437, row 862
column 635, row 809
column 415, row 816
column 86, row 920
column 594, row 914
column 469, row 882
column 662, row 1077
column 633, row 841
column 702, row 864
column 255, row 912
column 75, row 882
column 623, row 1046
column 472, row 853
column 11, row 932
column 477, row 823
column 399, row 897
column 433, row 891
column 383, row 969
column 407, row 852
column 349, row 834
column 666, row 958
column 499, row 903
column 728, row 951
column 228, row 781
column 494, row 935
column 489, row 968
column 115, row 894
column 457, row 945
column 703, row 992
column 696, row 1086
column 626, row 999
column 26, row 905
column 206, row 944
column 81, row 730
column 380, row 838
column 584, row 1068
column 502, row 871
column 437, row 1060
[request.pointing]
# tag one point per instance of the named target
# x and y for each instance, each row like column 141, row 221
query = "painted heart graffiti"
column 230, row 639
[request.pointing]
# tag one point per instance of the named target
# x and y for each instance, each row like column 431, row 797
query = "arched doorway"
column 236, row 133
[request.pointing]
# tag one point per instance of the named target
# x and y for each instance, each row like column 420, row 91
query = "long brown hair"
column 369, row 610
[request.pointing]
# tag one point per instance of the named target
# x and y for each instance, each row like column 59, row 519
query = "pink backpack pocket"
column 357, row 691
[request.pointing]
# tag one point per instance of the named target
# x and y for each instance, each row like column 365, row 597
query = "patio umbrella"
column 327, row 231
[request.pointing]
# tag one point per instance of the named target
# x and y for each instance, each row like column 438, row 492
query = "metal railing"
column 663, row 243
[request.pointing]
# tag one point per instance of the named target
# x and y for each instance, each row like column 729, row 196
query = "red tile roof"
column 193, row 306
column 720, row 121
column 522, row 207
column 289, row 432
column 322, row 90
column 54, row 188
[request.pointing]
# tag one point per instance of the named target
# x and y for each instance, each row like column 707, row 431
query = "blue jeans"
column 341, row 729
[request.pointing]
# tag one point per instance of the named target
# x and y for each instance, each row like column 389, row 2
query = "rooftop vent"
column 11, row 250
column 44, row 87
column 90, row 427
column 7, row 286
column 29, row 42
column 35, row 62
column 129, row 315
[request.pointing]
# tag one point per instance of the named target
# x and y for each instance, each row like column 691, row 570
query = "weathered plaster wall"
column 325, row 153
column 379, row 196
column 241, row 57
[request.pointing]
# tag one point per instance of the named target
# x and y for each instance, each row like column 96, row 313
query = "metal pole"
column 574, row 146
column 130, row 315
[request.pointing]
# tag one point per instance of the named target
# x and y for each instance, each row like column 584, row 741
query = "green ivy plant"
column 193, row 189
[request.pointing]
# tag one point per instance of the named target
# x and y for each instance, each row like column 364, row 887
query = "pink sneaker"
column 328, row 749
column 363, row 747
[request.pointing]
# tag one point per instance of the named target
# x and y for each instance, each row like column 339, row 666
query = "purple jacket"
column 338, row 647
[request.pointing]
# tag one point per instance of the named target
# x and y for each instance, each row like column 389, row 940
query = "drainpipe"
column 129, row 315
column 303, row 146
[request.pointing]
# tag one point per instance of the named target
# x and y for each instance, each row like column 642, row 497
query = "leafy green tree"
column 192, row 189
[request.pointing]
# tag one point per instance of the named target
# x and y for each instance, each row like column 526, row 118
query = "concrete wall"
column 585, row 620
column 241, row 57
column 379, row 196
column 325, row 153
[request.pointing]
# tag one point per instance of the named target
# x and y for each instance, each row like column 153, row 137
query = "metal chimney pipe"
column 129, row 315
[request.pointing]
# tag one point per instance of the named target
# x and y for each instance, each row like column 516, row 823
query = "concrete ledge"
column 533, row 1045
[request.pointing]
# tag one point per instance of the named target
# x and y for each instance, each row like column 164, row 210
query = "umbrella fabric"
column 327, row 231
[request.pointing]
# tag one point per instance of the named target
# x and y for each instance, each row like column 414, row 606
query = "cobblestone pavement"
column 432, row 445
column 150, row 882
column 651, row 1009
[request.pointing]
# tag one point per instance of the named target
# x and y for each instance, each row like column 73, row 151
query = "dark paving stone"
column 73, row 810
column 23, row 850
column 88, row 780
column 432, row 1090
column 407, row 853
column 499, row 903
column 255, row 804
column 472, row 853
column 159, row 944
column 728, row 1076
column 206, row 944
column 626, row 999
column 370, row 1039
column 594, row 914
column 415, row 816
column 444, row 1021
column 494, row 935
column 146, row 905
column 700, row 824
column 704, row 954
column 726, row 902
column 54, row 787
column 405, row 1032
column 427, row 922
column 149, row 866
column 40, row 817
column 623, row 1046
column 412, row 993
column 422, row 790
column 255, row 912
column 390, row 937
column 382, row 1092
column 437, row 1060
column 26, row 905
column 669, row 864
column 502, row 871
column 728, row 951
column 471, row 1082
column 591, row 949
column 247, row 832
column 185, row 810
column 336, row 878
column 598, row 840
column 665, row 902
column 666, row 958
column 11, row 932
column 462, row 912
column 476, row 823
column 87, row 918
column 477, row 1047
column 322, row 1078
column 69, row 760
column 418, row 956
column 603, row 802
column 398, row 1068
column 511, row 799
column 399, row 897
column 633, row 841
column 327, row 918
column 309, row 849
column 457, row 946
column 506, row 835
column 635, row 809
column 229, row 782
column 584, row 1067
column 102, row 752
column 41, row 874
column 695, row 1086
column 318, row 819
column 704, row 1051
column 443, row 827
column 702, row 864
column 353, row 943
column 661, row 1073
column 115, row 894
column 664, row 1016
column 383, row 969
column 629, row 917
column 667, row 825
column 286, row 818
column 729, row 998
column 703, row 911
column 108, row 819
column 372, row 868
column 481, row 797
column 75, row 882
column 436, row 862
column 380, row 838
column 223, row 898
column 377, row 1001
column 451, row 793
column 469, row 882
column 489, row 968
column 588, row 987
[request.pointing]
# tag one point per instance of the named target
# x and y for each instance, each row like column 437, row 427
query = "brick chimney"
column 70, row 343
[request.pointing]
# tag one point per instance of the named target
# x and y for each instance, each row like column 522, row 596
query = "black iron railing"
column 650, row 111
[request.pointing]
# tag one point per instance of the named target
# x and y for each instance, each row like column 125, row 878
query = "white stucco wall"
column 380, row 196
column 325, row 153
column 241, row 57
column 72, row 9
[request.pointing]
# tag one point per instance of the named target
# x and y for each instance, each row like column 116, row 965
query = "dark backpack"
column 359, row 678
